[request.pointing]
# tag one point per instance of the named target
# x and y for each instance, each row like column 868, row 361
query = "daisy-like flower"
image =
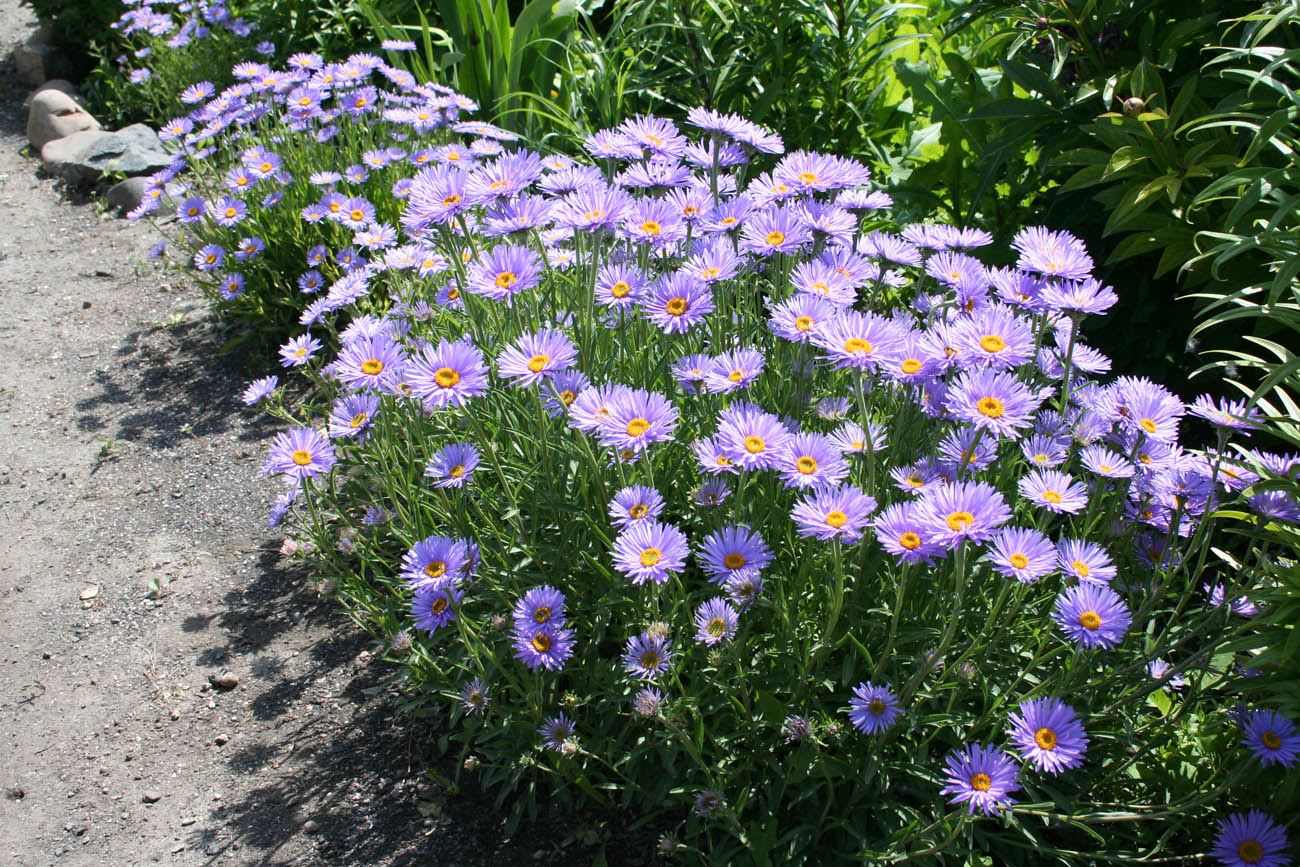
column 1271, row 737
column 857, row 340
column 1053, row 254
column 712, row 492
column 982, row 777
column 448, row 374
column 634, row 419
column 799, row 318
column 542, row 646
column 1085, row 560
column 733, row 551
column 353, row 415
column 812, row 460
column 1025, row 555
column 299, row 350
column 902, row 532
column 649, row 551
column 474, row 696
column 540, row 606
column 453, row 465
column 1092, row 615
column 842, row 513
column 1227, row 414
column 1105, row 462
column 437, row 560
column 1251, row 839
column 963, row 510
column 752, row 438
column 852, row 438
column 774, row 230
column 716, row 621
column 647, row 702
column 370, row 362
column 992, row 400
column 647, row 655
column 1054, row 491
column 259, row 390
column 997, row 337
column 300, row 453
column 635, row 503
column 677, row 303
column 1158, row 670
column 1047, row 733
column 505, row 272
column 873, row 708
column 619, row 286
column 733, row 370
column 557, row 731
column 534, row 357
column 434, row 606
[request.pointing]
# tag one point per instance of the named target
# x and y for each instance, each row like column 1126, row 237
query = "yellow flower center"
column 1051, row 496
column 910, row 366
column 836, row 519
column 638, row 511
column 734, row 561
column 775, row 239
column 676, row 306
column 567, row 397
column 959, row 521
column 620, row 289
column 506, row 279
column 302, row 457
column 649, row 660
column 637, row 426
column 357, row 215
column 1019, row 561
column 804, row 323
column 651, row 556
column 541, row 642
column 358, row 420
column 542, row 614
column 650, row 227
column 453, row 293
column 372, row 366
column 736, row 375
column 910, row 541
column 877, row 707
column 856, row 345
column 755, row 444
column 439, row 604
column 1090, row 620
column 231, row 213
column 446, row 377
column 1081, row 569
column 806, row 465
column 981, row 782
column 1148, row 425
column 1250, row 851
column 807, row 178
column 992, row 343
column 1045, row 738
column 1271, row 740
column 717, row 627
column 538, row 363
column 435, row 569
column 451, row 200
column 991, row 407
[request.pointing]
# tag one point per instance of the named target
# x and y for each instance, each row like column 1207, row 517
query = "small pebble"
column 151, row 797
column 311, row 826
column 225, row 680
column 221, row 740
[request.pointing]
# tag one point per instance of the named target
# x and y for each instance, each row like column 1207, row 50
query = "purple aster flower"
column 542, row 646
column 593, row 207
column 997, row 337
column 556, row 731
column 1092, row 615
column 299, row 350
column 437, row 195
column 655, row 134
column 902, row 532
column 506, row 271
column 635, row 419
column 677, row 302
column 713, row 262
column 1271, row 737
column 436, row 560
column 1276, row 506
column 649, row 551
column 635, row 503
column 1053, row 254
column 647, row 655
column 752, row 439
column 1158, row 670
column 712, row 492
column 800, row 318
column 1085, row 560
column 453, row 465
column 1047, row 733
column 733, row 370
column 260, row 390
column 857, row 340
column 474, row 696
column 562, row 390
column 1025, row 555
column 540, row 606
column 191, row 210
column 300, row 453
column 619, row 286
column 733, row 550
column 982, row 777
column 716, row 621
column 812, row 460
column 963, row 510
column 873, row 708
column 370, row 362
column 1228, row 414
column 228, row 211
column 1105, row 462
column 647, row 702
column 353, row 415
column 434, row 606
column 534, row 357
column 992, row 400
column 852, row 438
column 1251, row 839
column 774, row 230
column 448, row 374
column 209, row 257
column 1054, row 491
column 842, row 513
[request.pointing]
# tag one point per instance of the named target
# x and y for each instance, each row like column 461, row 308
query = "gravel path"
column 134, row 566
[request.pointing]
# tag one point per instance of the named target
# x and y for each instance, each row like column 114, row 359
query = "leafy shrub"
column 715, row 503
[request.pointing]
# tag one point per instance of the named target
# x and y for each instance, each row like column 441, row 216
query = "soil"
column 135, row 568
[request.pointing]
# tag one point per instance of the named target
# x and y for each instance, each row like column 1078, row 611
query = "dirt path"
column 133, row 565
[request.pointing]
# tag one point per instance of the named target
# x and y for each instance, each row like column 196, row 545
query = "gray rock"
column 128, row 194
column 37, row 61
column 54, row 114
column 82, row 157
column 60, row 84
